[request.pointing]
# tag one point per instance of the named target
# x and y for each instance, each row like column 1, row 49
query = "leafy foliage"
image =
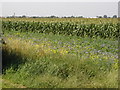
column 108, row 30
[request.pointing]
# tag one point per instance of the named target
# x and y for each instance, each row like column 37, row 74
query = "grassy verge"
column 9, row 84
column 57, row 61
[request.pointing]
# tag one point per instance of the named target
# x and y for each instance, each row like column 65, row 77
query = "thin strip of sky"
column 60, row 1
column 87, row 9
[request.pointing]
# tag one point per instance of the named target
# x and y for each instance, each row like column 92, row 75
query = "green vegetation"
column 82, row 20
column 59, row 60
column 108, row 30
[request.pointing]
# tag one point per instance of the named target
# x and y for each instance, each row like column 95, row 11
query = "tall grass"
column 57, row 61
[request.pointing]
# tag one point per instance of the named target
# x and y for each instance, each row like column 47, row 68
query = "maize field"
column 103, row 30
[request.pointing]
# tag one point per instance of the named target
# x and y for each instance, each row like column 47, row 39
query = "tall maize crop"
column 104, row 30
